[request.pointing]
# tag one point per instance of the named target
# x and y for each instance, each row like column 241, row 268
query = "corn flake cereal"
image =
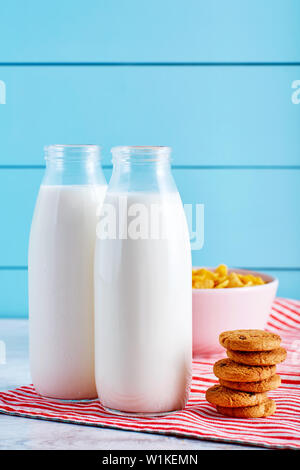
column 220, row 278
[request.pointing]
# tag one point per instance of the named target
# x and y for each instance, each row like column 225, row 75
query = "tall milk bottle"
column 143, row 303
column 60, row 272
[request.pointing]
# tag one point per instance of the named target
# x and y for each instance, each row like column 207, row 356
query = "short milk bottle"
column 143, row 295
column 60, row 272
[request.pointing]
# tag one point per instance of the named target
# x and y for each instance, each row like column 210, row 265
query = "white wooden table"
column 24, row 433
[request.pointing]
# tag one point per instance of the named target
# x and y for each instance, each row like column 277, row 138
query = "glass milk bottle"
column 143, row 304
column 60, row 272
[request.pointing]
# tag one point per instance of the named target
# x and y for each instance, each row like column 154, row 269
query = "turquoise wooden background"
column 213, row 79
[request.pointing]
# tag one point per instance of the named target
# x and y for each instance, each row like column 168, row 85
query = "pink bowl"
column 217, row 310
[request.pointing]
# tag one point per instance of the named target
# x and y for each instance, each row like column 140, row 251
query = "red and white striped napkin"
column 200, row 419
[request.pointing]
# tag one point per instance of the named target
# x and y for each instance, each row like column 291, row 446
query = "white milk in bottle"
column 60, row 273
column 143, row 309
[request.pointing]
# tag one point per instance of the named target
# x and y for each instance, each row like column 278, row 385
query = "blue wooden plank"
column 209, row 115
column 14, row 297
column 251, row 217
column 135, row 30
column 18, row 193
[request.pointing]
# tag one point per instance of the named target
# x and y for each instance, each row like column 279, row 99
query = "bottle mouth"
column 72, row 153
column 141, row 153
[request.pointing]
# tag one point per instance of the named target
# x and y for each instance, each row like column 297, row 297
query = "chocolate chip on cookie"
column 222, row 396
column 263, row 386
column 229, row 370
column 259, row 358
column 249, row 340
column 262, row 410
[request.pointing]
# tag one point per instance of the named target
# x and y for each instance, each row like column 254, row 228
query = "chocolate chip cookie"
column 222, row 396
column 249, row 340
column 263, row 386
column 262, row 410
column 227, row 369
column 259, row 358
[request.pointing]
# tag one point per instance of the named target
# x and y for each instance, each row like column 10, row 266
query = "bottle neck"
column 141, row 169
column 73, row 165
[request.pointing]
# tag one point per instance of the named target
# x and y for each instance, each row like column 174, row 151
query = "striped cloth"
column 200, row 419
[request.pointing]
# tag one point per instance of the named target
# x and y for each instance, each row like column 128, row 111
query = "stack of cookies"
column 247, row 374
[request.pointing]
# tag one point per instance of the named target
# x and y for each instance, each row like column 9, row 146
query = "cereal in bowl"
column 220, row 278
